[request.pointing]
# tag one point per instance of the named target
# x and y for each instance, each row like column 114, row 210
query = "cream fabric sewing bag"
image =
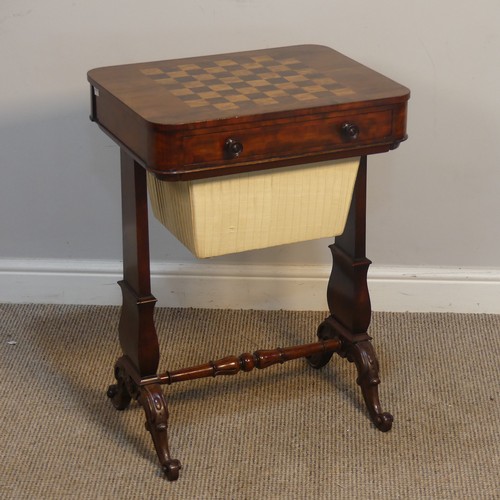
column 253, row 210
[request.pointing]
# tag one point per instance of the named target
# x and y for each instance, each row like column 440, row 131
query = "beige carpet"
column 288, row 432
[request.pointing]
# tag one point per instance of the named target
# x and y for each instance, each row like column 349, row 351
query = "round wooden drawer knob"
column 350, row 131
column 233, row 148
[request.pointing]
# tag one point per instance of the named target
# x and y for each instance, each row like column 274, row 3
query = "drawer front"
column 289, row 139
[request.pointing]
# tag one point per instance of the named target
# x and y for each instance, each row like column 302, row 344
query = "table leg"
column 349, row 304
column 137, row 332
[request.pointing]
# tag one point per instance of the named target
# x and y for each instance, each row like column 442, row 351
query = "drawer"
column 283, row 140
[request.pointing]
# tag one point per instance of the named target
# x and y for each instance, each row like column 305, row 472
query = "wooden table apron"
column 226, row 114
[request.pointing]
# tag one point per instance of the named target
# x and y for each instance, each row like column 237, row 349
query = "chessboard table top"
column 245, row 84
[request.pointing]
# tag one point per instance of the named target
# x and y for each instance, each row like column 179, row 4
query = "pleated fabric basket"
column 253, row 210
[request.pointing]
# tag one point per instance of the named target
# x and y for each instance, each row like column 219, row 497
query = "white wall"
column 433, row 202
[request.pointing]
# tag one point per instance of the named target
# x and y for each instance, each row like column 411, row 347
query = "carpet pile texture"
column 287, row 432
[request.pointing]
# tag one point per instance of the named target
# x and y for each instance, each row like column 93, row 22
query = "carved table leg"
column 321, row 359
column 121, row 393
column 349, row 304
column 365, row 359
column 153, row 401
column 137, row 331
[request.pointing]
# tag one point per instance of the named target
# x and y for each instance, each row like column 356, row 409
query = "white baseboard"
column 215, row 286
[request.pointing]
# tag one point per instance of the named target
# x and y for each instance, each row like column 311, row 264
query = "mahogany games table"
column 223, row 115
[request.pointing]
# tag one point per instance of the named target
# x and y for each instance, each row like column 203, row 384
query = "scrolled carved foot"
column 171, row 469
column 383, row 421
column 120, row 393
column 153, row 401
column 119, row 396
column 317, row 361
column 365, row 359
